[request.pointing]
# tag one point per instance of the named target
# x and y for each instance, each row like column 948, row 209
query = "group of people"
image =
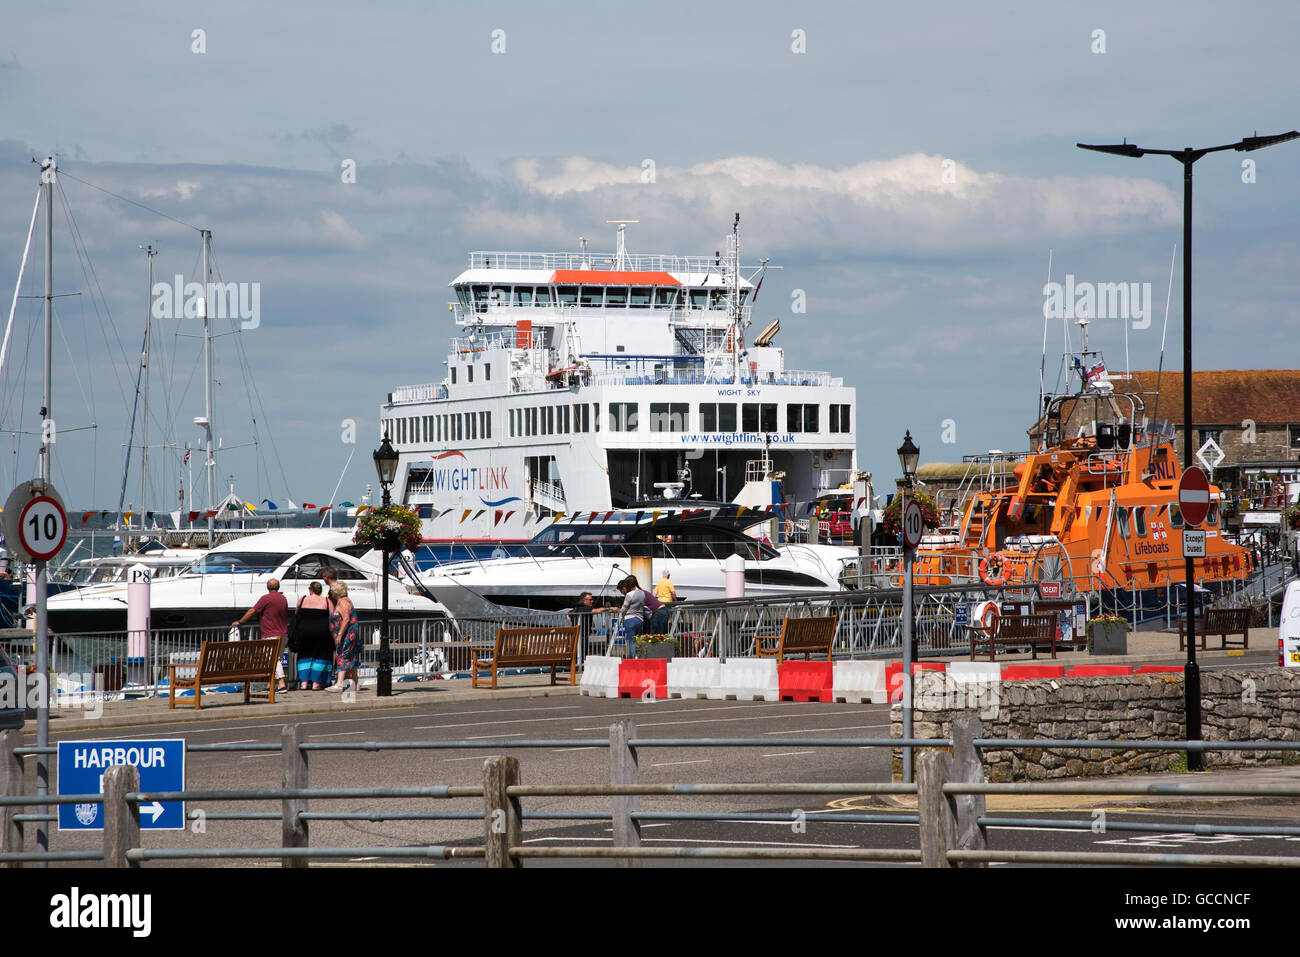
column 642, row 611
column 324, row 634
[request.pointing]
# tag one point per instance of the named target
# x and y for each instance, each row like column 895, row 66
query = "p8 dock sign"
column 83, row 764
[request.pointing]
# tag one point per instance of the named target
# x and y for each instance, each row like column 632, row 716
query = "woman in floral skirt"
column 347, row 638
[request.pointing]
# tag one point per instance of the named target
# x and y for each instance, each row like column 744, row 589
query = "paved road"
column 566, row 718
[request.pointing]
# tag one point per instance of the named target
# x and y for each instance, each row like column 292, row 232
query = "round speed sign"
column 42, row 528
column 913, row 525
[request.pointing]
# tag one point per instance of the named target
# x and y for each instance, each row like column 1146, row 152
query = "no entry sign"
column 1194, row 496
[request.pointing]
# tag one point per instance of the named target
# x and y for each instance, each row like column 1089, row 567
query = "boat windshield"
column 594, row 541
column 237, row 563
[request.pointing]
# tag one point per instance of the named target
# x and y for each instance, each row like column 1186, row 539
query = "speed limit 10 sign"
column 913, row 525
column 35, row 523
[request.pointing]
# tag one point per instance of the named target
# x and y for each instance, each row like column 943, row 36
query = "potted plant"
column 389, row 528
column 656, row 646
column 1107, row 635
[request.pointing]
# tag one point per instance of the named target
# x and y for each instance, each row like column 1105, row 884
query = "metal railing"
column 951, row 817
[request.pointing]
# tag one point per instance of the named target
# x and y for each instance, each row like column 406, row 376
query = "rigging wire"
column 125, row 199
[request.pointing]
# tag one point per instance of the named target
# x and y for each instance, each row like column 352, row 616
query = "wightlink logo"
column 230, row 300
column 1129, row 301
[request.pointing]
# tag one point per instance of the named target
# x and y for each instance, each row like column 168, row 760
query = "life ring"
column 1000, row 580
column 985, row 617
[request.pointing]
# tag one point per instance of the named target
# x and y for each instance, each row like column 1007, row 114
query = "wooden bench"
column 1032, row 630
column 222, row 662
column 806, row 636
column 531, row 647
column 1219, row 621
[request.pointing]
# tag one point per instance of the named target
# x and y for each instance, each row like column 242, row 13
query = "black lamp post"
column 908, row 454
column 1188, row 156
column 386, row 466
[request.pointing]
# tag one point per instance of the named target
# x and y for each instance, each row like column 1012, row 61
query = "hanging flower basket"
column 389, row 529
column 892, row 524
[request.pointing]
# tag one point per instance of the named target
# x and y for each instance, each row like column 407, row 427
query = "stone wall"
column 1236, row 706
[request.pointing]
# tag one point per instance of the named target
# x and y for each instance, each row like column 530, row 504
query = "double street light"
column 386, row 465
column 1188, row 156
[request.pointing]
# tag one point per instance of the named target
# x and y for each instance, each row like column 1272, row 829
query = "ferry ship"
column 1093, row 510
column 584, row 383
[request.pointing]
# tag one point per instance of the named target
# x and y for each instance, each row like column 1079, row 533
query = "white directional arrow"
column 155, row 809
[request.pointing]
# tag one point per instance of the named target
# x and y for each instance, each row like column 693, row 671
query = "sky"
column 910, row 168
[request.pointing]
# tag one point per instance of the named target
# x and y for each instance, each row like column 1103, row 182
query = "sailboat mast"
column 48, row 170
column 211, row 462
column 144, row 368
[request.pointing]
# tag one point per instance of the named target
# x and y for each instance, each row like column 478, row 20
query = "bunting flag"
column 640, row 517
column 654, row 516
column 591, row 517
column 324, row 508
column 464, row 515
column 742, row 510
column 148, row 516
column 85, row 516
column 509, row 513
column 193, row 516
column 308, row 505
column 558, row 516
column 271, row 505
column 127, row 516
column 290, row 501
column 362, row 509
column 496, row 520
column 211, row 513
column 103, row 514
column 479, row 514
column 608, row 515
column 250, row 506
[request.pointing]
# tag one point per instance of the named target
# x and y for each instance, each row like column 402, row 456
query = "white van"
column 1288, row 633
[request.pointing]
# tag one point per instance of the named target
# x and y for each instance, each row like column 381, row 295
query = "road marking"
column 787, row 754
column 336, row 734
column 499, row 734
column 705, row 840
column 669, row 764
column 852, row 727
column 476, row 757
column 775, row 716
column 562, row 750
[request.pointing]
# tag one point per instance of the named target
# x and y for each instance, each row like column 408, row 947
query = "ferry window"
column 564, row 418
column 543, row 296
column 699, row 298
column 758, row 417
column 523, row 295
column 640, row 298
column 665, row 298
column 512, row 423
column 1140, row 521
column 616, row 296
column 726, row 417
column 550, row 420
column 668, row 416
column 708, row 417
column 1121, row 519
column 453, row 375
column 480, row 293
column 591, row 296
column 794, row 418
column 595, row 415
column 622, row 417
column 470, row 372
column 473, row 426
column 717, row 299
column 846, row 419
column 812, row 418
column 462, row 294
column 566, row 295
column 1175, row 515
column 500, row 296
column 532, row 421
column 487, row 372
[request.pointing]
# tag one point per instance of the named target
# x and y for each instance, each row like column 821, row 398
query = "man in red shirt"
column 273, row 611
